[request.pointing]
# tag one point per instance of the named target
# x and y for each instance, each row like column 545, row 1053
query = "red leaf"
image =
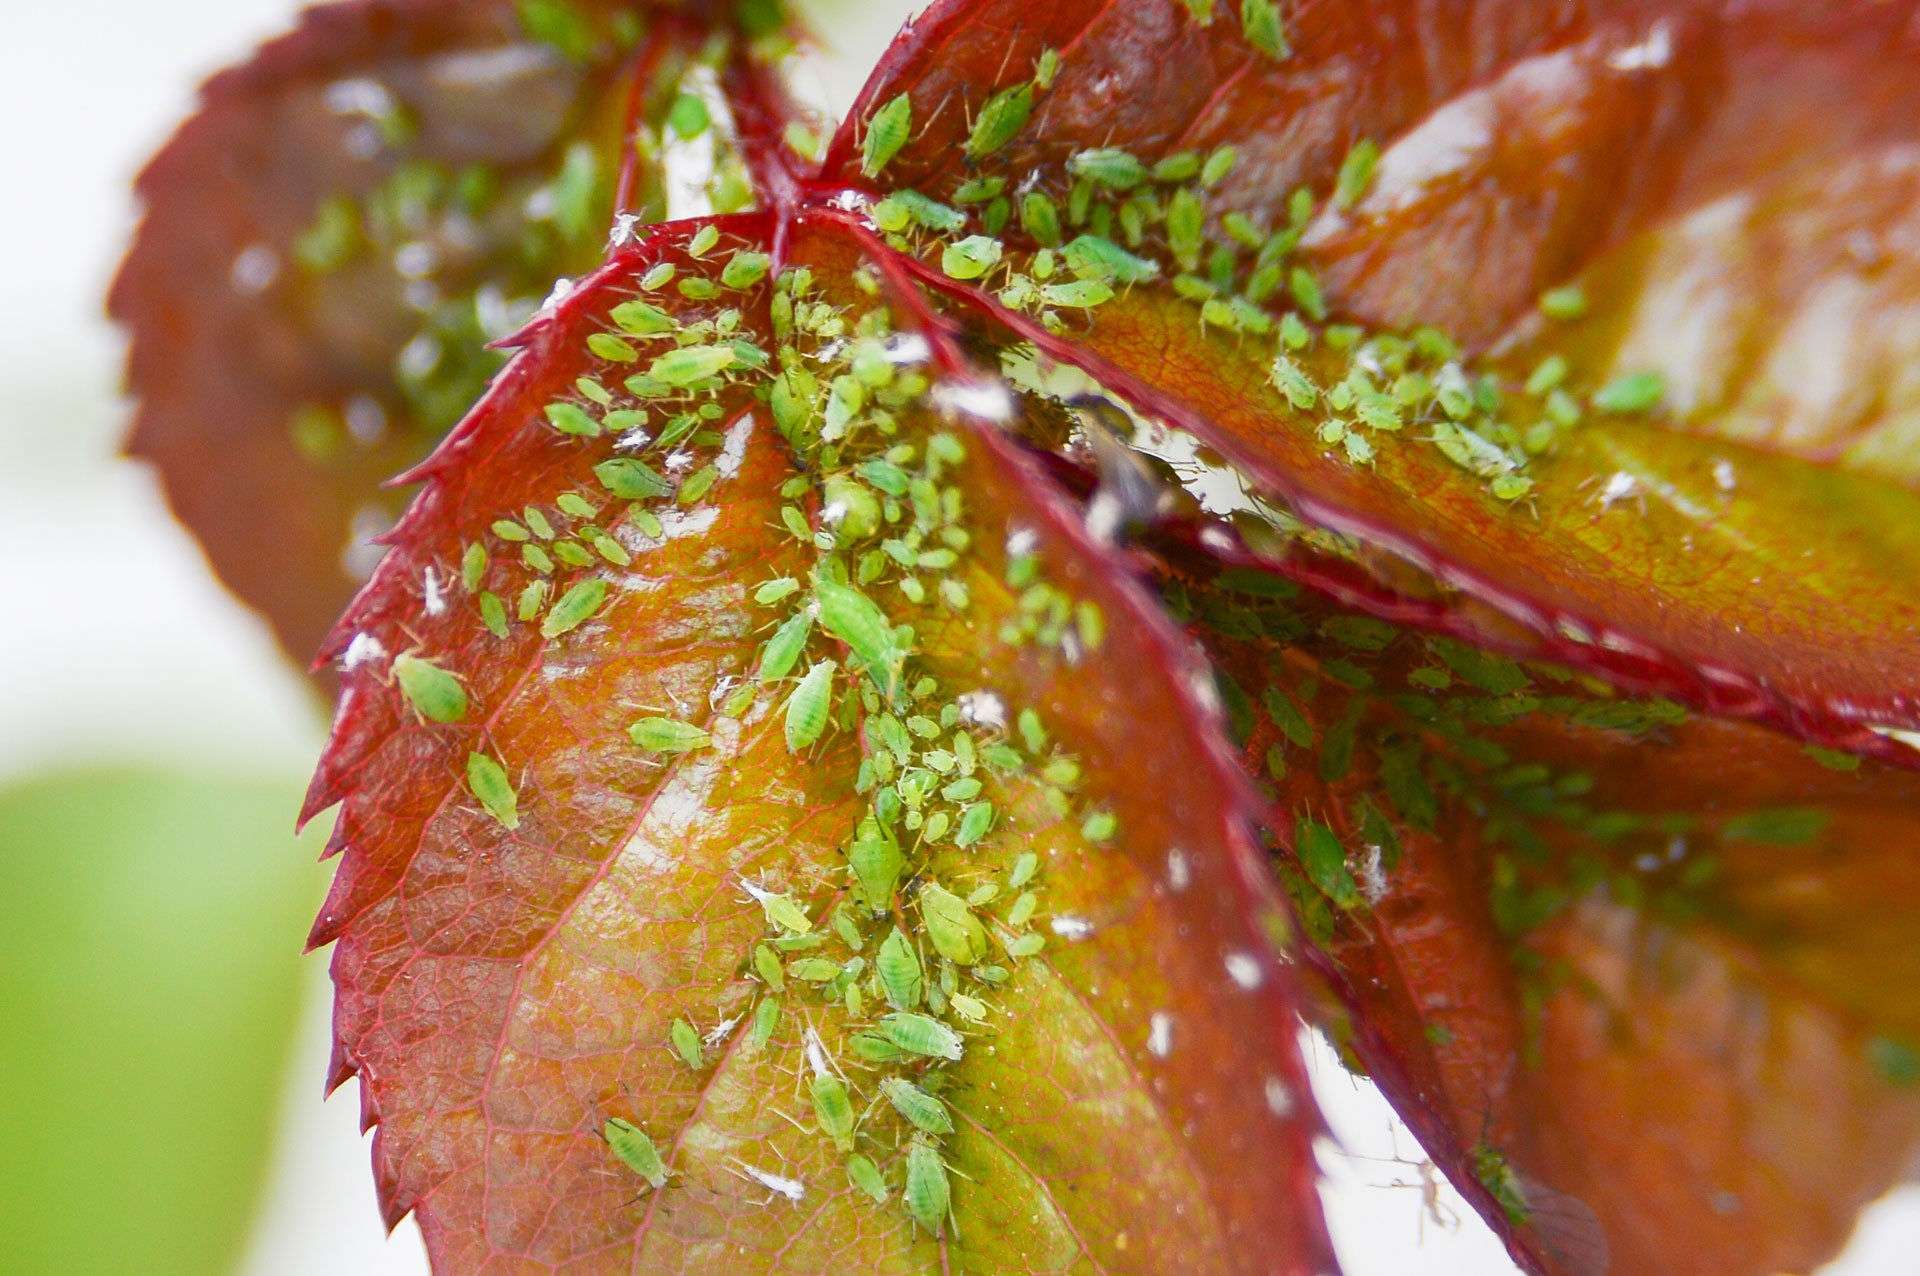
column 506, row 990
column 1518, row 144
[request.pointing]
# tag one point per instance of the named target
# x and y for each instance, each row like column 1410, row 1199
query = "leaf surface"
column 329, row 245
column 1125, row 1037
column 1517, row 145
column 1640, row 981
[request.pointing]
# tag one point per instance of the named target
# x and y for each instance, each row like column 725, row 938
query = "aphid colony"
column 1125, row 222
column 912, row 961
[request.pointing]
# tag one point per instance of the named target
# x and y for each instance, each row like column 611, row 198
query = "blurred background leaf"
column 150, row 981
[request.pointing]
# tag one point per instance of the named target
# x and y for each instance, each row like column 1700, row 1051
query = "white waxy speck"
column 721, row 1031
column 434, row 598
column 832, row 512
column 1244, row 969
column 561, row 287
column 982, row 709
column 1619, row 486
column 1067, row 926
column 1373, row 874
column 363, row 648
column 1723, row 475
column 986, row 400
column 816, row 1054
column 848, row 201
column 361, row 555
column 419, row 357
column 1159, row 1034
column 908, row 347
column 1179, row 869
column 623, row 231
column 254, row 270
column 1021, row 541
column 678, row 461
column 733, row 449
column 1651, row 54
column 793, row 1189
column 1279, row 1097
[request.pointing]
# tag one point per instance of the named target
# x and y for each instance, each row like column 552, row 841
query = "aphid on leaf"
column 1218, row 165
column 473, row 566
column 1565, row 303
column 1631, row 394
column 887, row 131
column 975, row 822
column 493, row 614
column 782, row 650
column 970, row 258
column 854, row 619
column 922, row 1035
column 657, row 277
column 1356, row 172
column 768, row 967
column 809, row 706
column 611, row 348
column 1022, row 911
column 1092, row 257
column 954, row 931
column 928, row 1195
column 1108, row 166
column 574, row 608
column 640, row 319
column 898, row 967
column 766, row 1017
column 489, row 782
column 924, row 1111
column 1201, row 11
column 570, row 418
column 1045, row 67
column 863, row 1174
column 703, row 240
column 666, row 735
column 780, row 910
column 1024, row 869
column 691, row 364
column 834, row 1109
column 434, row 693
column 1000, row 121
column 745, row 269
column 635, row 1150
column 1261, row 26
column 686, row 1044
column 877, row 864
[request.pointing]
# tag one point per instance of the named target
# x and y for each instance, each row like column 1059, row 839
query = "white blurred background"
column 117, row 644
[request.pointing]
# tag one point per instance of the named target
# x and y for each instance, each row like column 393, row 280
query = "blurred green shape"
column 150, row 980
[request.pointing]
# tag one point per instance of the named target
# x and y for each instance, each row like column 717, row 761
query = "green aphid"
column 1291, row 381
column 689, row 117
column 1100, row 827
column 1304, row 285
column 975, row 822
column 854, row 619
column 809, row 706
column 766, row 1017
column 768, row 967
column 1110, row 167
column 921, row 1109
column 571, row 418
column 1000, row 121
column 489, row 782
column 532, row 599
column 954, row 931
column 870, row 1047
column 703, row 240
column 574, row 504
column 834, row 1110
column 898, row 968
column 972, row 257
column 1022, row 911
column 493, row 614
column 928, row 1195
column 1510, row 487
column 697, row 485
column 745, row 269
column 815, row 970
column 631, row 479
column 1077, row 294
column 929, row 214
column 611, row 348
column 657, row 277
column 1629, row 395
column 692, row 364
column 1497, row 1176
column 863, row 1174
column 434, row 693
column 877, row 864
column 1092, row 257
column 1356, row 173
column 686, row 1044
column 473, row 566
column 1261, row 26
column 774, row 590
column 1218, row 165
column 639, row 319
column 635, row 1150
column 1181, row 166
column 537, row 558
column 1201, row 11
column 922, row 1035
column 1024, row 869
column 783, row 650
column 574, row 608
column 1186, row 227
column 779, row 909
column 888, row 130
column 1550, row 375
column 668, row 735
